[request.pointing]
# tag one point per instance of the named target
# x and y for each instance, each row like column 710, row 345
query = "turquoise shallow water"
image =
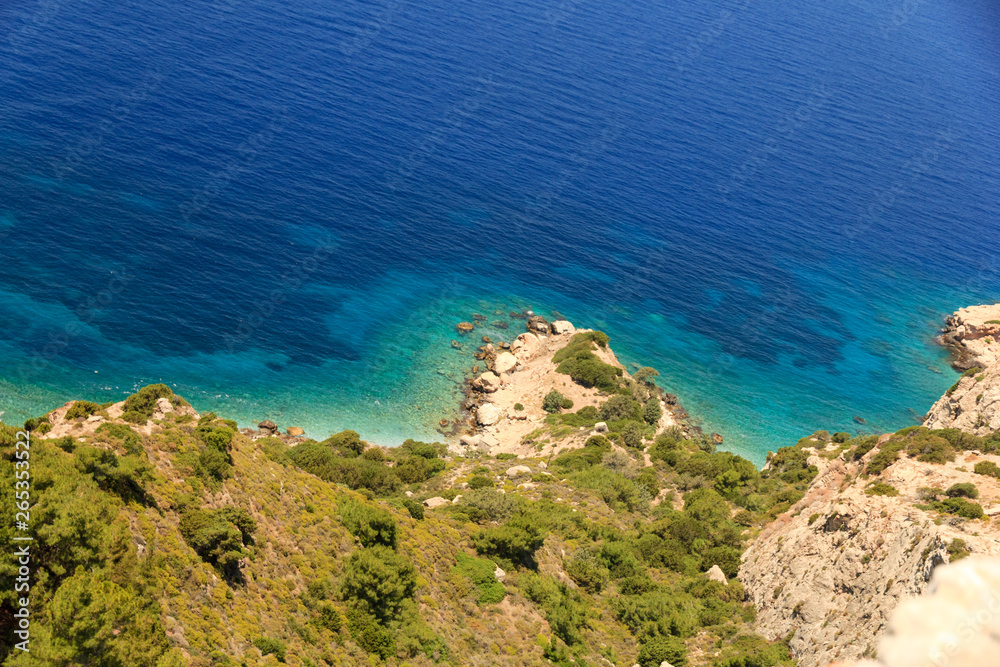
column 282, row 209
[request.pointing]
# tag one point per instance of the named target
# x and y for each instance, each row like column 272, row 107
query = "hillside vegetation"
column 197, row 545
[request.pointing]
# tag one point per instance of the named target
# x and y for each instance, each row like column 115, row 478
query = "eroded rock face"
column 525, row 346
column 487, row 383
column 488, row 414
column 973, row 334
column 560, row 327
column 505, row 363
column 835, row 566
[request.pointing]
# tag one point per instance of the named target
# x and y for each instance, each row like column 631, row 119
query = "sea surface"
column 282, row 208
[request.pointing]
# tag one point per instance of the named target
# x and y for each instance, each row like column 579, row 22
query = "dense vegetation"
column 196, row 545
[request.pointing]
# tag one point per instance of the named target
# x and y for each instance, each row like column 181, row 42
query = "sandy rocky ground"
column 524, row 374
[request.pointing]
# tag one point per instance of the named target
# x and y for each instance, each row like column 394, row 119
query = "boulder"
column 717, row 438
column 538, row 324
column 715, row 573
column 600, row 427
column 268, row 427
column 505, row 363
column 517, row 471
column 560, row 327
column 435, row 502
column 525, row 346
column 163, row 406
column 499, row 574
column 471, row 441
column 489, row 414
column 294, row 431
column 487, row 383
column 465, row 327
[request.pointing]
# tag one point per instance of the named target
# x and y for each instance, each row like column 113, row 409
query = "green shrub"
column 567, row 404
column 139, row 407
column 882, row 489
column 518, row 407
column 485, row 505
column 369, row 633
column 371, row 525
column 553, row 401
column 82, row 409
column 957, row 550
column 841, row 437
column 481, row 572
column 960, row 507
column 987, row 468
column 887, row 455
column 377, row 580
column 219, row 536
column 480, row 482
column 656, row 650
column 328, row 617
column 120, row 436
column 754, row 651
column 962, row 489
column 653, row 411
column 505, row 456
column 620, row 407
column 270, row 646
column 415, row 508
column 632, row 435
column 124, row 476
column 514, row 541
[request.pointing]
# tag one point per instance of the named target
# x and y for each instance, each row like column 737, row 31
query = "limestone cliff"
column 973, row 404
column 871, row 529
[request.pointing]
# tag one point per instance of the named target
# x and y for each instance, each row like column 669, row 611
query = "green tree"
column 653, row 411
column 377, row 580
column 553, row 401
column 371, row 525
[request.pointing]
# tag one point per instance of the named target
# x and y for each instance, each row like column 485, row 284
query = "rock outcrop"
column 834, row 567
column 973, row 404
column 832, row 570
column 955, row 623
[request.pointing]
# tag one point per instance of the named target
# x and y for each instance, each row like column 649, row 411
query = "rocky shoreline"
column 501, row 404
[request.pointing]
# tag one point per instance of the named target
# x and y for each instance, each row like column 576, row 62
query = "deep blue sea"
column 281, row 208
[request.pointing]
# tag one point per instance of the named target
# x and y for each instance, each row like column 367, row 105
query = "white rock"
column 560, row 327
column 457, row 498
column 517, row 471
column 499, row 574
column 505, row 363
column 472, row 441
column 489, row 414
column 600, row 427
column 163, row 406
column 525, row 346
column 526, row 486
column 715, row 573
column 488, row 382
column 542, row 466
column 409, row 494
column 436, row 501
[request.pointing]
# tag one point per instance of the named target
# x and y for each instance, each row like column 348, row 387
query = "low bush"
column 553, row 401
column 882, row 489
column 82, row 409
column 962, row 490
column 481, row 572
column 371, row 525
column 987, row 468
column 219, row 536
column 269, row 646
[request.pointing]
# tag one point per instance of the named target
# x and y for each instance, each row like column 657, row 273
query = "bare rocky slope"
column 833, row 568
